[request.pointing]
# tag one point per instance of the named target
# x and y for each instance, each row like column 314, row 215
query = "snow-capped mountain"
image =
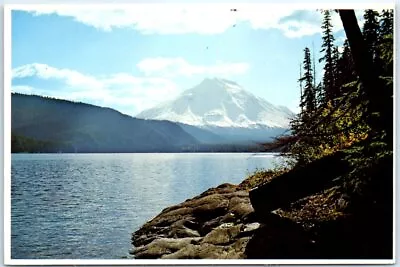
column 220, row 103
column 226, row 109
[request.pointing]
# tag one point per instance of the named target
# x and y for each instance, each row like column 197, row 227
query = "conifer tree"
column 379, row 110
column 336, row 71
column 386, row 22
column 386, row 43
column 301, row 90
column 308, row 97
column 357, row 99
column 370, row 32
column 327, row 49
column 346, row 72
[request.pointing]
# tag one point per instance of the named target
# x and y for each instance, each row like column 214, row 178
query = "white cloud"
column 295, row 29
column 129, row 94
column 171, row 67
column 193, row 18
column 72, row 78
column 147, row 18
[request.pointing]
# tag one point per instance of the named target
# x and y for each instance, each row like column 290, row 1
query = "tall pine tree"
column 346, row 71
column 370, row 32
column 386, row 22
column 308, row 100
column 386, row 43
column 336, row 71
column 327, row 49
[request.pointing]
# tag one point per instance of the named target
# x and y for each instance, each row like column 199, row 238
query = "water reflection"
column 85, row 206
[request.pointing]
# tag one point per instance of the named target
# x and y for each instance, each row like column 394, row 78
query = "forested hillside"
column 339, row 177
column 41, row 124
column 354, row 100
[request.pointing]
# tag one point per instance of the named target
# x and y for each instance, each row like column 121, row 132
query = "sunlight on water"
column 86, row 206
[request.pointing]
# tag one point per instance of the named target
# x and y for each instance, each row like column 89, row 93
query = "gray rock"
column 182, row 231
column 162, row 246
column 224, row 234
column 202, row 251
column 206, row 226
column 251, row 227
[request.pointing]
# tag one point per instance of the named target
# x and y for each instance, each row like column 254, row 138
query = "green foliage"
column 371, row 178
column 329, row 128
column 308, row 98
column 327, row 48
column 386, row 22
column 345, row 70
column 260, row 177
column 371, row 31
column 356, row 123
column 22, row 144
column 88, row 128
column 342, row 119
column 386, row 55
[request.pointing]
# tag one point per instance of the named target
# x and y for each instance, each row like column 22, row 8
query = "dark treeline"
column 239, row 148
column 339, row 181
column 22, row 144
column 338, row 110
column 351, row 109
column 49, row 125
column 41, row 124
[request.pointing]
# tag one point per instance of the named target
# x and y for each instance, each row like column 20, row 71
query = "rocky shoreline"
column 216, row 224
column 241, row 222
column 220, row 224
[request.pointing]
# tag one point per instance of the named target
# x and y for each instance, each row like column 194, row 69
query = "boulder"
column 213, row 225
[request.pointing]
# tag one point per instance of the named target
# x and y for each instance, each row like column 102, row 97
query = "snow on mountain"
column 221, row 103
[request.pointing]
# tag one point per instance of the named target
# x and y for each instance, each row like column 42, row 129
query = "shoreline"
column 236, row 222
column 214, row 224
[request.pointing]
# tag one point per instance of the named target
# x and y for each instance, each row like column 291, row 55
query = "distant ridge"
column 80, row 127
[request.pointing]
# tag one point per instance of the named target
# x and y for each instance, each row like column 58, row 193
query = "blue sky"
column 133, row 58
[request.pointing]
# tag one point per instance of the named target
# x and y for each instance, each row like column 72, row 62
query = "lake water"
column 86, row 206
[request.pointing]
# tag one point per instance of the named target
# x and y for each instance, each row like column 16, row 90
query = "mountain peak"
column 222, row 103
column 217, row 86
column 219, row 80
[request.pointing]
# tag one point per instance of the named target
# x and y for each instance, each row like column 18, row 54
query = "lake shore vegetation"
column 334, row 199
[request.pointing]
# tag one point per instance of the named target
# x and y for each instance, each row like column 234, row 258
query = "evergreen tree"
column 327, row 49
column 386, row 43
column 301, row 90
column 346, row 72
column 319, row 94
column 370, row 32
column 377, row 93
column 386, row 22
column 356, row 101
column 308, row 99
column 336, row 71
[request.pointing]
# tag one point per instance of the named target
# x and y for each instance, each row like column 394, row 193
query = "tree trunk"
column 380, row 106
